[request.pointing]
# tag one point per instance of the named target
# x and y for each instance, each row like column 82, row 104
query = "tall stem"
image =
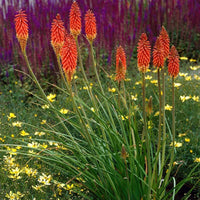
column 61, row 71
column 146, row 138
column 159, row 128
column 164, row 125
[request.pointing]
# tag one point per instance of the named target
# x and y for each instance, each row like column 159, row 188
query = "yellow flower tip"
column 191, row 151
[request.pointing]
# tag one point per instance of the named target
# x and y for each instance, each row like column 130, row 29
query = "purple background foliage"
column 118, row 22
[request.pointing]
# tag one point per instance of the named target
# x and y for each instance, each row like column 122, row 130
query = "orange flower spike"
column 164, row 37
column 158, row 55
column 90, row 26
column 57, row 34
column 173, row 64
column 68, row 54
column 120, row 64
column 75, row 19
column 143, row 53
column 21, row 27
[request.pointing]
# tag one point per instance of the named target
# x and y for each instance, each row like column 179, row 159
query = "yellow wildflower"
column 193, row 68
column 92, row 109
column 184, row 98
column 168, row 107
column 64, row 111
column 17, row 124
column 187, row 139
column 197, row 77
column 39, row 133
column 188, row 78
column 191, row 151
column 181, row 134
column 138, row 82
column 148, row 77
column 183, row 74
column 24, row 133
column 197, row 160
column 112, row 90
column 134, row 97
column 193, row 60
column 156, row 114
column 177, row 144
column 127, row 79
column 177, row 84
column 51, row 97
column 195, row 98
column 43, row 121
column 11, row 115
column 46, row 106
column 183, row 58
column 154, row 82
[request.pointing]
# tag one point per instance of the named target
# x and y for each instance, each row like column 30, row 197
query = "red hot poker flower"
column 143, row 53
column 21, row 27
column 173, row 64
column 75, row 19
column 69, row 55
column 90, row 26
column 120, row 64
column 158, row 55
column 57, row 34
column 164, row 38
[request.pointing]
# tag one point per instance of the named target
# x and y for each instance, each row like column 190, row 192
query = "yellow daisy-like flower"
column 46, row 106
column 193, row 60
column 197, row 160
column 195, row 98
column 183, row 74
column 193, row 68
column 156, row 114
column 43, row 121
column 196, row 77
column 176, row 144
column 11, row 115
column 168, row 107
column 112, row 90
column 187, row 139
column 17, row 124
column 177, row 84
column 181, row 134
column 92, row 109
column 134, row 97
column 64, row 111
column 183, row 58
column 148, row 77
column 24, row 133
column 184, row 98
column 188, row 78
column 51, row 97
column 154, row 82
